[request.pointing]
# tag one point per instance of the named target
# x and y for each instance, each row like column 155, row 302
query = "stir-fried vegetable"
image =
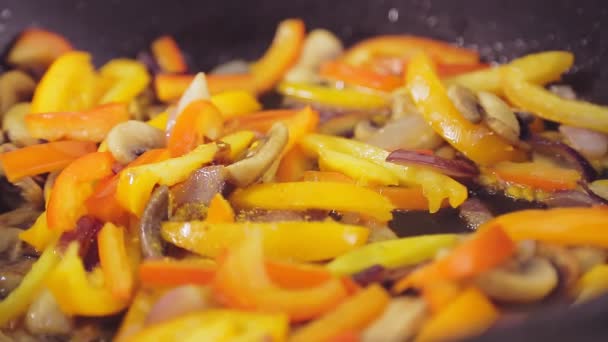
column 186, row 210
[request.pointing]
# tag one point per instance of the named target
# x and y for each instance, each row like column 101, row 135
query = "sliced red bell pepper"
column 282, row 54
column 537, row 175
column 92, row 125
column 359, row 76
column 293, row 165
column 37, row 159
column 168, row 55
column 169, row 272
column 259, row 121
column 169, row 87
column 220, row 210
column 37, row 48
column 114, row 261
column 259, row 292
column 200, row 120
column 73, row 186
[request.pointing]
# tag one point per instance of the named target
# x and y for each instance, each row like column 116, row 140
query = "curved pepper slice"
column 200, row 120
column 347, row 98
column 568, row 226
column 91, row 125
column 135, row 184
column 534, row 98
column 168, row 54
column 127, row 79
column 392, row 253
column 37, row 48
column 282, row 54
column 70, row 84
column 171, row 272
column 362, row 171
column 336, row 70
column 42, row 158
column 217, row 325
column 314, row 195
column 220, row 210
column 353, row 314
column 238, row 142
column 73, row 186
column 592, row 284
column 78, row 293
column 246, row 261
column 537, row 175
column 539, row 68
column 407, row 46
column 17, row 302
column 235, row 103
column 435, row 186
column 170, row 87
column 114, row 261
column 39, row 235
column 281, row 239
column 476, row 142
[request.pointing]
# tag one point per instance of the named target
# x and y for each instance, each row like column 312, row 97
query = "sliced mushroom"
column 532, row 281
column 343, row 124
column 13, row 124
column 499, row 116
column 400, row 321
column 563, row 90
column 11, row 274
column 249, row 170
column 31, row 192
column 319, row 46
column 589, row 256
column 156, row 211
column 128, row 140
column 15, row 86
column 599, row 188
column 9, row 237
column 466, row 102
column 45, row 317
column 564, row 261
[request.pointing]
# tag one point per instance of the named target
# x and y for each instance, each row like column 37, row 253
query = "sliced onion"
column 179, row 301
column 475, row 213
column 589, row 143
column 235, row 66
column 407, row 132
column 571, row 198
column 200, row 187
column 564, row 152
column 455, row 168
column 197, row 90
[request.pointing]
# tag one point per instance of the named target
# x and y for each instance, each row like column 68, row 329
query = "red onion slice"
column 475, row 213
column 571, row 198
column 564, row 152
column 589, row 143
column 450, row 167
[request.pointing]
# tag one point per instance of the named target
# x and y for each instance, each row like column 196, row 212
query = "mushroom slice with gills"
column 589, row 256
column 15, row 86
column 128, row 140
column 45, row 317
column 466, row 102
column 400, row 321
column 13, row 124
column 499, row 116
column 319, row 46
column 156, row 211
column 530, row 281
column 249, row 170
column 563, row 259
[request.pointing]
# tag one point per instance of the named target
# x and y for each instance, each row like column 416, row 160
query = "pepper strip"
column 435, row 186
column 287, row 240
column 476, row 142
column 127, row 79
column 114, row 261
column 168, row 54
column 314, row 195
column 170, row 87
column 348, row 98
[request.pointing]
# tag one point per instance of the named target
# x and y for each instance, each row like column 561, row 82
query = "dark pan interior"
column 216, row 31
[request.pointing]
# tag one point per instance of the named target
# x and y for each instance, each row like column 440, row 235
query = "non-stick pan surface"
column 216, row 31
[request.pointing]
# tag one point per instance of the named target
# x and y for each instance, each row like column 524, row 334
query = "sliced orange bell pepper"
column 220, row 210
column 126, row 78
column 293, row 165
column 567, row 226
column 168, row 55
column 92, row 125
column 259, row 121
column 537, row 175
column 70, row 84
column 397, row 66
column 304, row 122
column 440, row 294
column 114, row 261
column 296, row 276
column 349, row 74
column 353, row 314
column 405, row 46
column 347, row 336
column 73, row 186
column 199, row 121
column 170, row 87
column 238, row 142
column 37, row 48
column 314, row 195
column 487, row 248
column 169, row 272
column 42, row 158
column 282, row 54
column 469, row 314
column 245, row 261
column 430, row 97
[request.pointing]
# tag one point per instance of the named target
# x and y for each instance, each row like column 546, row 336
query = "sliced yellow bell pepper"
column 127, row 78
column 476, row 142
column 135, row 318
column 39, row 235
column 159, row 121
column 531, row 97
column 289, row 240
column 239, row 142
column 314, row 195
column 135, row 184
column 216, row 325
column 435, row 186
column 114, row 261
column 78, row 293
column 20, row 298
column 592, row 284
column 235, row 103
column 70, row 84
column 392, row 253
column 539, row 68
column 361, row 170
column 333, row 97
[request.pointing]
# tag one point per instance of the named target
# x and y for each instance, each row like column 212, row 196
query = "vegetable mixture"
column 142, row 201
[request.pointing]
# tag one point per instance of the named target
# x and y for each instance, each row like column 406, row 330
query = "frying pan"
column 216, row 31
